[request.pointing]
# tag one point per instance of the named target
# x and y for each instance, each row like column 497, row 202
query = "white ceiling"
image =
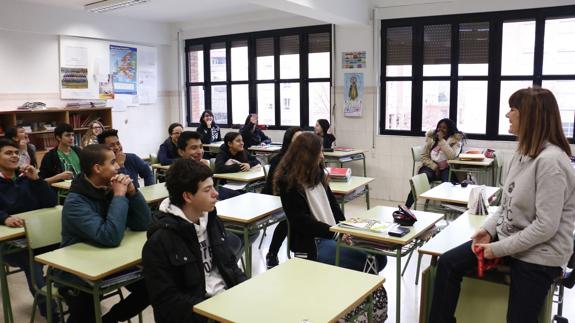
column 169, row 11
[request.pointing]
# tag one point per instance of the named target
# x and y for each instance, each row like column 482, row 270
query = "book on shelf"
column 366, row 224
column 339, row 174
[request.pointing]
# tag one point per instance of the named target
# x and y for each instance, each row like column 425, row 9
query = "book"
column 336, row 172
column 365, row 224
column 470, row 156
column 343, row 149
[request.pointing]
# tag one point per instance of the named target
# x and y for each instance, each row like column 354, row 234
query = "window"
column 465, row 67
column 283, row 75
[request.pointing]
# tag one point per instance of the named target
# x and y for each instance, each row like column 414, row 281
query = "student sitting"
column 208, row 128
column 321, row 129
column 91, row 135
column 63, row 162
column 168, row 151
column 101, row 205
column 252, row 135
column 232, row 157
column 22, row 190
column 26, row 151
column 130, row 164
column 442, row 144
column 280, row 232
column 186, row 258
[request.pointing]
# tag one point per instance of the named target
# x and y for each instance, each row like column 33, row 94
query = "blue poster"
column 123, row 67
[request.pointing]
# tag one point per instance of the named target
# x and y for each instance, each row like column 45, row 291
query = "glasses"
column 97, row 127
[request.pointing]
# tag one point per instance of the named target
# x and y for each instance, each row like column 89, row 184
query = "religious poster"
column 354, row 59
column 123, row 67
column 353, row 94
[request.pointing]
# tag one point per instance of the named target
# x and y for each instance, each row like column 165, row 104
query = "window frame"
column 252, row 81
column 494, row 77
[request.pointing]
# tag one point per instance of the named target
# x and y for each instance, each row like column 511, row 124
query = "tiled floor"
column 22, row 301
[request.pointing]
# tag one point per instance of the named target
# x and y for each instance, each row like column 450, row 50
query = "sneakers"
column 272, row 260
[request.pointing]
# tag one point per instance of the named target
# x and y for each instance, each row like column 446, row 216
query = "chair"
column 419, row 184
column 416, row 152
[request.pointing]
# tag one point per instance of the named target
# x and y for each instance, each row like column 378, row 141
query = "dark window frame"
column 494, row 77
column 252, row 82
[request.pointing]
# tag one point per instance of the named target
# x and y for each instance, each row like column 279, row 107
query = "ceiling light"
column 107, row 5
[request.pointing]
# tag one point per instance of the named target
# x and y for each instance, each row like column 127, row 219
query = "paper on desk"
column 232, row 185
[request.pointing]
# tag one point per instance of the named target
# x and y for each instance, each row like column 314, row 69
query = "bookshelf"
column 42, row 123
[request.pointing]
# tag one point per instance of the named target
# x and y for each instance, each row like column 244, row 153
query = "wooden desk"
column 342, row 157
column 348, row 191
column 93, row 264
column 396, row 246
column 249, row 213
column 294, row 291
column 449, row 193
column 8, row 235
column 474, row 166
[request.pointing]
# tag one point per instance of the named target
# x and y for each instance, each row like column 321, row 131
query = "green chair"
column 419, row 184
column 416, row 152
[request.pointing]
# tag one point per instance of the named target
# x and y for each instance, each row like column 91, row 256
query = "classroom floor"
column 22, row 300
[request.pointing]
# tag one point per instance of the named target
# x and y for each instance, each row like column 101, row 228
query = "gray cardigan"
column 537, row 215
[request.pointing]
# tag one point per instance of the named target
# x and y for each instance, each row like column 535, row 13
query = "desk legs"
column 248, row 252
column 97, row 308
column 398, row 285
column 6, row 305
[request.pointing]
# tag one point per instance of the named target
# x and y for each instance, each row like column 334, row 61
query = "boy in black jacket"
column 186, row 258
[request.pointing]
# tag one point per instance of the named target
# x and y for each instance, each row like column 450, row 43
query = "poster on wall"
column 106, row 89
column 74, row 78
column 353, row 94
column 123, row 67
column 356, row 59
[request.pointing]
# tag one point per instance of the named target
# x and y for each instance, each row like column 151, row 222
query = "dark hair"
column 230, row 136
column 204, row 114
column 61, row 128
column 107, row 133
column 11, row 132
column 288, row 136
column 324, row 125
column 248, row 118
column 7, row 142
column 184, row 176
column 185, row 137
column 299, row 167
column 539, row 121
column 174, row 125
column 451, row 130
column 92, row 155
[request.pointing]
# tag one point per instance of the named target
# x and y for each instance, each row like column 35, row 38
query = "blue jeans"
column 348, row 258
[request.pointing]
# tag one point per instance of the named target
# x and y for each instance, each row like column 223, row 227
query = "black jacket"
column 168, row 152
column 173, row 266
column 51, row 164
column 303, row 225
column 209, row 135
column 274, row 162
column 328, row 140
column 253, row 138
column 22, row 195
column 224, row 155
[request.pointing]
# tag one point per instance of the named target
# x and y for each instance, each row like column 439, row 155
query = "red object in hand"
column 482, row 263
column 262, row 126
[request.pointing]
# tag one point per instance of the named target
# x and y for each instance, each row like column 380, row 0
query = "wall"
column 30, row 68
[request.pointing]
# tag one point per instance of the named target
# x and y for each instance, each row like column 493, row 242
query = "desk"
column 294, row 291
column 8, row 235
column 213, row 147
column 343, row 157
column 395, row 246
column 93, row 264
column 268, row 149
column 474, row 166
column 248, row 213
column 152, row 193
column 63, row 188
column 347, row 191
column 449, row 193
column 159, row 171
column 255, row 174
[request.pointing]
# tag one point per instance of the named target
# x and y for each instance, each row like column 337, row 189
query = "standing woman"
column 208, row 128
column 91, row 135
column 232, row 157
column 253, row 135
column 321, row 129
column 533, row 227
column 441, row 144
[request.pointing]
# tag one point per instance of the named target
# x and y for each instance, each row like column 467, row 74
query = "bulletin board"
column 92, row 69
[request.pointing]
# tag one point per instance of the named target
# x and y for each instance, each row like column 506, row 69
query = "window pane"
column 563, row 91
column 196, row 63
column 218, row 62
column 319, row 101
column 398, row 52
column 266, row 104
column 289, row 101
column 239, row 52
column 220, row 103
column 265, row 58
column 289, row 57
column 508, row 88
column 435, row 103
column 319, row 55
column 559, row 47
column 240, row 103
column 398, row 105
column 518, row 48
column 474, row 48
column 197, row 103
column 436, row 50
column 472, row 106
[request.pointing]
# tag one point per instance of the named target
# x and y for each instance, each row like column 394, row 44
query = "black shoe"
column 569, row 279
column 272, row 260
